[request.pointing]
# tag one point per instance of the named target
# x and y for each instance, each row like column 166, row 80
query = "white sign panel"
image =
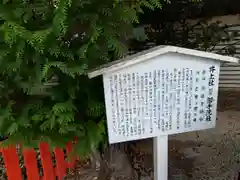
column 166, row 95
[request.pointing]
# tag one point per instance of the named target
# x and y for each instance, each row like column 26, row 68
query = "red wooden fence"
column 13, row 169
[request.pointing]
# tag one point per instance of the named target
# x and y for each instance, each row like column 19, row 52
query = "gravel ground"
column 212, row 154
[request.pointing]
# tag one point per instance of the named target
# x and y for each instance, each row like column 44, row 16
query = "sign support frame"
column 160, row 155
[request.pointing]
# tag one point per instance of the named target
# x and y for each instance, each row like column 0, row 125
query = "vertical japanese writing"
column 166, row 101
column 146, row 99
column 162, row 100
column 128, row 100
column 113, row 105
column 190, row 81
column 183, row 80
column 159, row 99
column 138, row 105
column 171, row 99
column 196, row 97
column 150, row 101
column 174, row 86
column 134, row 106
column 117, row 93
column 210, row 99
column 131, row 103
column 124, row 127
column 178, row 98
column 146, row 113
column 142, row 103
column 121, row 106
column 186, row 91
column 155, row 99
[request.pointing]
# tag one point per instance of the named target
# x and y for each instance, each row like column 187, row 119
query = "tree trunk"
column 105, row 170
column 104, row 173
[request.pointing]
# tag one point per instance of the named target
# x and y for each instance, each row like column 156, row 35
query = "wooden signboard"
column 162, row 91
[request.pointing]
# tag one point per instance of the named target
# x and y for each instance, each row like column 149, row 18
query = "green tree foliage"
column 46, row 49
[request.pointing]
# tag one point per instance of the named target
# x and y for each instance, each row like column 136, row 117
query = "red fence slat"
column 61, row 165
column 31, row 164
column 46, row 158
column 71, row 161
column 13, row 169
column 11, row 161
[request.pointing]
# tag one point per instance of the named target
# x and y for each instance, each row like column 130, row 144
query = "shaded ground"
column 217, row 152
column 229, row 100
column 209, row 154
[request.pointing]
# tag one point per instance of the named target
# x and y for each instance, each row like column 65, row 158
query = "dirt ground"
column 209, row 154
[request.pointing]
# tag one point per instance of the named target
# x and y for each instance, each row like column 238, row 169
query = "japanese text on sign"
column 161, row 101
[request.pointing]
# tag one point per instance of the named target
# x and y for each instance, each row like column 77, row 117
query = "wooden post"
column 31, row 164
column 46, row 158
column 11, row 161
column 160, row 152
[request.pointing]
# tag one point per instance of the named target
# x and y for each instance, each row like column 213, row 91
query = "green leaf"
column 13, row 128
column 67, row 106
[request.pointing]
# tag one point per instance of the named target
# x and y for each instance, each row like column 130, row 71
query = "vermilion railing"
column 13, row 169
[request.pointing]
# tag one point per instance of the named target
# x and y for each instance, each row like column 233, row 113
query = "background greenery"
column 46, row 49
